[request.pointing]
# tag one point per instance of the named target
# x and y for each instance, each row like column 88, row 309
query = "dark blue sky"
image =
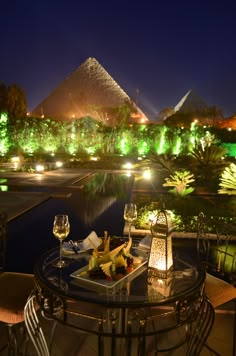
column 162, row 48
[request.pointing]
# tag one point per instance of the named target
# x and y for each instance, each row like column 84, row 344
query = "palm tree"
column 163, row 162
column 207, row 163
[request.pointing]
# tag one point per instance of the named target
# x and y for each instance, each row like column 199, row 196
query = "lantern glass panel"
column 160, row 257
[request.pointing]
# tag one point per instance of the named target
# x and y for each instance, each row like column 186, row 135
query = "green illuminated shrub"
column 180, row 180
column 228, row 180
column 4, row 140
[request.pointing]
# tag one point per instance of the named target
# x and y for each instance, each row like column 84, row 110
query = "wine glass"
column 130, row 214
column 61, row 229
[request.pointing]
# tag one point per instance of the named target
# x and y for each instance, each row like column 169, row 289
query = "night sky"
column 161, row 48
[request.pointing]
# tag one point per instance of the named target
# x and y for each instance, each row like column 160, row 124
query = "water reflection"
column 108, row 184
column 99, row 194
column 3, row 186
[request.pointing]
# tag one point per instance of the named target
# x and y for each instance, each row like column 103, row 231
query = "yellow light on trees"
column 147, row 174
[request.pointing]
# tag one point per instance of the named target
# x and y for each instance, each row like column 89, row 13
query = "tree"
column 3, row 97
column 16, row 102
column 208, row 162
column 162, row 162
column 116, row 116
column 4, row 139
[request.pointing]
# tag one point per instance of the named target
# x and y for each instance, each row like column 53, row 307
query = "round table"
column 140, row 313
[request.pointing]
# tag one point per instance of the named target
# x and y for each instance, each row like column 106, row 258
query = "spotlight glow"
column 39, row 168
column 15, row 159
column 128, row 165
column 147, row 174
column 59, row 164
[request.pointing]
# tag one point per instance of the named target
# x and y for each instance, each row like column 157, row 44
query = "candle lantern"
column 160, row 258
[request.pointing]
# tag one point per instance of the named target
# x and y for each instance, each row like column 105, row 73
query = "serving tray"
column 138, row 268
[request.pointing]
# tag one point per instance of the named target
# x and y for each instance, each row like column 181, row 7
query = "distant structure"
column 191, row 107
column 191, row 102
column 88, row 91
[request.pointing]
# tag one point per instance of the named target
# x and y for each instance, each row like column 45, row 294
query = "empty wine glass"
column 61, row 229
column 130, row 214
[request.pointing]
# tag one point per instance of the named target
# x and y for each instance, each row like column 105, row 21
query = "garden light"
column 147, row 174
column 39, row 168
column 59, row 164
column 16, row 162
column 128, row 165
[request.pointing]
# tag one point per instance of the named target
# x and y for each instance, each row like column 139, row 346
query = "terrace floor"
column 67, row 341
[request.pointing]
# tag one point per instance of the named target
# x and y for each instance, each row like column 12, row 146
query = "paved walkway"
column 59, row 177
column 20, row 192
column 15, row 203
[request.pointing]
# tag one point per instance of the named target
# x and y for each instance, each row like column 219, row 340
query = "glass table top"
column 138, row 288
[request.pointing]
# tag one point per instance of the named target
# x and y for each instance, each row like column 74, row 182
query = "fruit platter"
column 110, row 263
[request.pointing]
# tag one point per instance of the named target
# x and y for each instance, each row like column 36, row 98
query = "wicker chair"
column 15, row 289
column 219, row 261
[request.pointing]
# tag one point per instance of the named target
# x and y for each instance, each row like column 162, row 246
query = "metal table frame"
column 125, row 322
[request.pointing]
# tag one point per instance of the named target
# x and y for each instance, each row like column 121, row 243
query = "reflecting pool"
column 93, row 204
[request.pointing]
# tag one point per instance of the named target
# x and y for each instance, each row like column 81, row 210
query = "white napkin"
column 91, row 241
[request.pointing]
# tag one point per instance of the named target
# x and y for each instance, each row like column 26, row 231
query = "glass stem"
column 129, row 229
column 60, row 252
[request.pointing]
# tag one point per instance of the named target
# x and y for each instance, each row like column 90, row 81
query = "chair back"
column 3, row 239
column 201, row 328
column 217, row 248
column 34, row 329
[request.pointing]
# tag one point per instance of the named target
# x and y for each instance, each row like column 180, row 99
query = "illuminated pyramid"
column 192, row 108
column 191, row 102
column 84, row 93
